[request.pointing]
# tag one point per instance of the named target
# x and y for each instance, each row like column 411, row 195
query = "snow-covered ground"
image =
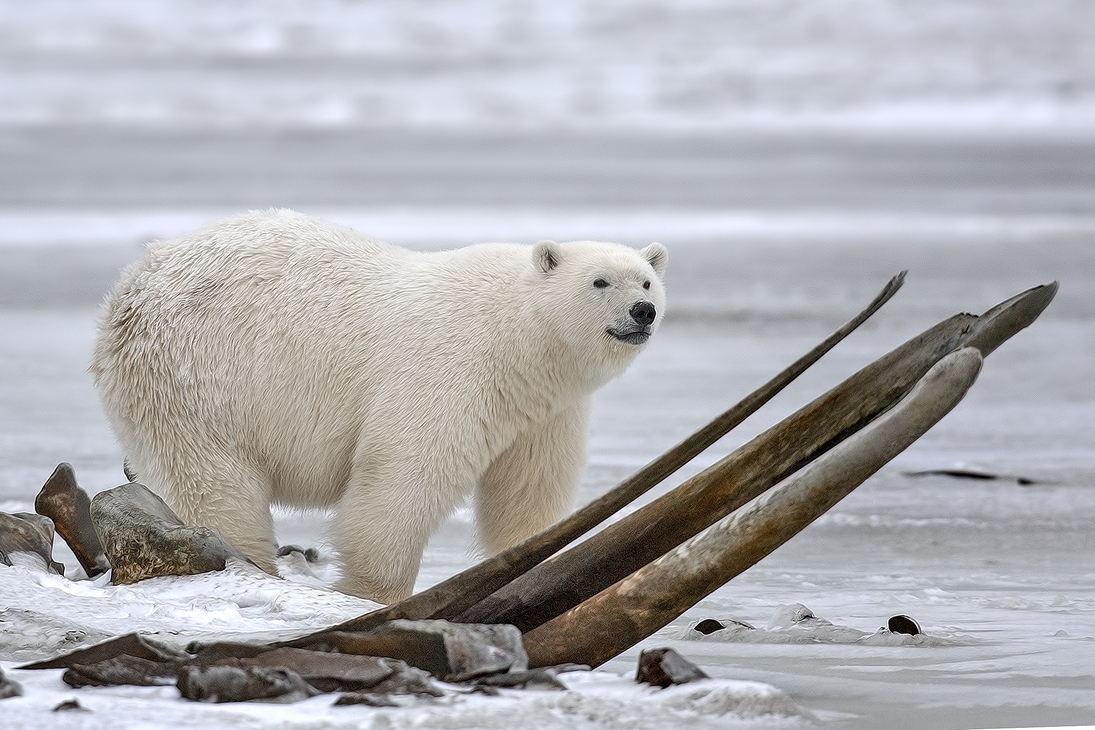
column 792, row 156
column 1000, row 576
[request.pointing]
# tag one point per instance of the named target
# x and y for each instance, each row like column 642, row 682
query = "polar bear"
column 275, row 357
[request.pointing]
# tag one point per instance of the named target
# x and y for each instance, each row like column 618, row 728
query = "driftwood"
column 453, row 596
column 627, row 545
column 648, row 599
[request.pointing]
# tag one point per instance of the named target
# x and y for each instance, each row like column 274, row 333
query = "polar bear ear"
column 546, row 255
column 657, row 255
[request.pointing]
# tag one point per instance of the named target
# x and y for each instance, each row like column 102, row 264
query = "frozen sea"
column 791, row 160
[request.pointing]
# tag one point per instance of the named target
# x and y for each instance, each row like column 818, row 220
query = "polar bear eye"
column 600, row 283
column 646, row 285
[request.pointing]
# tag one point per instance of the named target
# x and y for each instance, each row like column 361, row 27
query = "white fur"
column 274, row 357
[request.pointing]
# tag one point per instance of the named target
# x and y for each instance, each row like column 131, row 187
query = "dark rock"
column 329, row 672
column 9, row 687
column 311, row 554
column 709, row 626
column 902, row 624
column 222, row 683
column 974, row 474
column 143, row 538
column 123, row 669
column 663, row 667
column 134, row 645
column 69, row 706
column 449, row 651
column 62, row 500
column 24, row 532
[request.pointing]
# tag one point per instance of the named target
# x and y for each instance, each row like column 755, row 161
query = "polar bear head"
column 608, row 299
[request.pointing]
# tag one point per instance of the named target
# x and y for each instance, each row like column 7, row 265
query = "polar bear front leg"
column 385, row 518
column 531, row 484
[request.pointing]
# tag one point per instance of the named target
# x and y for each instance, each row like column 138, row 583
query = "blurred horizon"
column 529, row 65
column 436, row 124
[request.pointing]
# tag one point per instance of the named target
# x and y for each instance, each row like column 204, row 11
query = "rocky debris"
column 449, row 651
column 539, row 678
column 70, row 706
column 219, row 651
column 122, row 669
column 9, row 687
column 406, row 681
column 663, row 667
column 62, row 500
column 409, row 681
column 366, row 698
column 329, row 672
column 311, row 555
column 902, row 624
column 366, row 679
column 24, row 532
column 134, row 645
column 223, row 683
column 143, row 538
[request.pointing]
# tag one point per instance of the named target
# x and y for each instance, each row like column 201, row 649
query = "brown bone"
column 563, row 582
column 637, row 606
column 62, row 500
column 454, row 595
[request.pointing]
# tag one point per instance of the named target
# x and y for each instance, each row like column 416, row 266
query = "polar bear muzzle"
column 643, row 315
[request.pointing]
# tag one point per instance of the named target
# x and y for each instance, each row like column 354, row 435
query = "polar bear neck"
column 515, row 350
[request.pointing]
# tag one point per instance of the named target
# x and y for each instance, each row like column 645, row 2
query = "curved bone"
column 452, row 596
column 571, row 577
column 63, row 501
column 636, row 607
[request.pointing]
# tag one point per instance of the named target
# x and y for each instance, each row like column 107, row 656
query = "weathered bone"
column 62, row 500
column 563, row 582
column 637, row 606
column 454, row 595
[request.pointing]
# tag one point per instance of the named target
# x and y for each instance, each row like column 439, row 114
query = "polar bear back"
column 299, row 341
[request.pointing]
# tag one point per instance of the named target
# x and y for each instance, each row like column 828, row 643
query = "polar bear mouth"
column 633, row 337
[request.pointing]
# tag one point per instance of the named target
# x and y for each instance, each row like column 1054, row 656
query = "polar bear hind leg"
column 384, row 520
column 222, row 493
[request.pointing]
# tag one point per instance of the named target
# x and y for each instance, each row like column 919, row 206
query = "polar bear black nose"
column 643, row 313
